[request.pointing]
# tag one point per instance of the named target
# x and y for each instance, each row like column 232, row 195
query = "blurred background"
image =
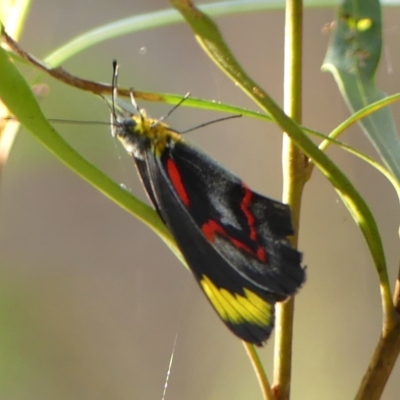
column 92, row 302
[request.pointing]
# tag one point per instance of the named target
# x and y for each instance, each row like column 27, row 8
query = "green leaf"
column 157, row 19
column 19, row 99
column 352, row 57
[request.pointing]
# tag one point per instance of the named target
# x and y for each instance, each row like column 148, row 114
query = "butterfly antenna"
column 80, row 122
column 114, row 91
column 135, row 106
column 211, row 122
column 174, row 107
column 114, row 94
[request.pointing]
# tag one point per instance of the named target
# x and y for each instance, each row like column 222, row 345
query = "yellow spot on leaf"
column 364, row 24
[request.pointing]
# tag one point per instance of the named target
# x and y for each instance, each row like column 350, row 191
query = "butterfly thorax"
column 138, row 134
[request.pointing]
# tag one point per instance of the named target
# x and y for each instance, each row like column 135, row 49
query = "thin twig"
column 64, row 76
column 259, row 371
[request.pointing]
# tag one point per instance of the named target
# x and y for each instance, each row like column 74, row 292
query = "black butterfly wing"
column 233, row 239
column 248, row 230
column 246, row 310
column 143, row 171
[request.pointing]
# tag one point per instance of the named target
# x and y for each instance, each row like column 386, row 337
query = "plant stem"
column 385, row 354
column 294, row 177
column 259, row 371
column 381, row 365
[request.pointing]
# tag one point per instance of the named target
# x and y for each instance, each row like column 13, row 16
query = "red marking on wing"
column 211, row 228
column 176, row 181
column 244, row 206
column 261, row 254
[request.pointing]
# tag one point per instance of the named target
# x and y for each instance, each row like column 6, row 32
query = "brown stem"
column 381, row 364
column 385, row 355
column 62, row 75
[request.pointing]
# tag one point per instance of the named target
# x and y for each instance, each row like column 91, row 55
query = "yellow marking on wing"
column 213, row 294
column 257, row 308
column 235, row 308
